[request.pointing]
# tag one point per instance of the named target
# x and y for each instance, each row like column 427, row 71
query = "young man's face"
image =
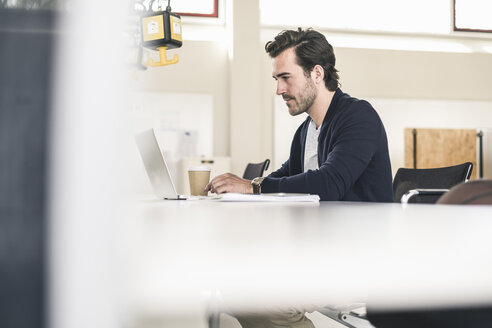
column 298, row 91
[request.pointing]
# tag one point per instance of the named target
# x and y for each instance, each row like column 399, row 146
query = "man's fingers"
column 227, row 182
column 220, row 187
column 211, row 184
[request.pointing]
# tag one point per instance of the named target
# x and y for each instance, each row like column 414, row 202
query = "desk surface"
column 261, row 254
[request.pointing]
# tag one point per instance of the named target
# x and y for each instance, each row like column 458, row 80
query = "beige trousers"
column 291, row 317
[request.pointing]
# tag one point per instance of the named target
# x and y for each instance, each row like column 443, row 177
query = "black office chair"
column 427, row 185
column 254, row 170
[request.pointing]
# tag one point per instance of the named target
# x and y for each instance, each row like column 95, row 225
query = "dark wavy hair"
column 311, row 48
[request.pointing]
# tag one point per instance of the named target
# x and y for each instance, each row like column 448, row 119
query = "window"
column 197, row 8
column 472, row 15
column 415, row 16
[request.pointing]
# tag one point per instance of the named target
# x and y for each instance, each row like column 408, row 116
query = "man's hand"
column 229, row 182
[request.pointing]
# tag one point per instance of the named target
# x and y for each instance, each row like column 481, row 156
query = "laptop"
column 163, row 186
column 156, row 167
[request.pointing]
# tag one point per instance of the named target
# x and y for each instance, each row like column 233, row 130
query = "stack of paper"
column 276, row 197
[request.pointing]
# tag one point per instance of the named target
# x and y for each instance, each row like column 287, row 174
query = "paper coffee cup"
column 199, row 177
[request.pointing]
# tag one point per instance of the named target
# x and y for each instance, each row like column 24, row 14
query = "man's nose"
column 280, row 88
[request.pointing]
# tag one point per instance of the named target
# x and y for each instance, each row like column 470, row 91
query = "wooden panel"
column 442, row 147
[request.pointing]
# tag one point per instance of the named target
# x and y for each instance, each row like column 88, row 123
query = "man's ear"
column 318, row 74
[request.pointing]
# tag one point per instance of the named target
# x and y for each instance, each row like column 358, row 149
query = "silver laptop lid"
column 155, row 165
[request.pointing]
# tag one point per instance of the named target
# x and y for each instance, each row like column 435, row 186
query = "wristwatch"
column 256, row 183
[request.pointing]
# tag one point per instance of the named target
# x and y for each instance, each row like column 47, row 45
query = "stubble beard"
column 304, row 101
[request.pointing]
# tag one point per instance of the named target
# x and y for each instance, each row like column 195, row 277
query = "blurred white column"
column 245, row 86
column 87, row 169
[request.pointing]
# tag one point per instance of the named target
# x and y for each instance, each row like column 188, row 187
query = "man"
column 340, row 152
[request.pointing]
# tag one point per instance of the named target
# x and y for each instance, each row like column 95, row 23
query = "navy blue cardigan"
column 353, row 157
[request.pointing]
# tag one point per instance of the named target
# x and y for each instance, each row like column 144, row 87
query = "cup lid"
column 199, row 168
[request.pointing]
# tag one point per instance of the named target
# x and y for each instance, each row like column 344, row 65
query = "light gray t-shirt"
column 311, row 150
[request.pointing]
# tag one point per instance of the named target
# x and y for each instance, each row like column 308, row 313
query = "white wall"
column 449, row 78
column 396, row 114
column 407, row 88
column 202, row 69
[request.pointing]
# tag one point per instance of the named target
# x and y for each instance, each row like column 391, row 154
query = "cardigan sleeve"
column 282, row 171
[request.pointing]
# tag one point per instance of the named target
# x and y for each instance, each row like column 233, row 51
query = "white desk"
column 261, row 254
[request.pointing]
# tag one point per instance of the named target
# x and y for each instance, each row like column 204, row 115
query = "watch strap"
column 256, row 183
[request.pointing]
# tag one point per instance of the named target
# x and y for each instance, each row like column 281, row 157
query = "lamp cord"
column 168, row 8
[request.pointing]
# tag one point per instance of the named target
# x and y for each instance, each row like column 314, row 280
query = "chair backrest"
column 254, row 170
column 473, row 192
column 435, row 178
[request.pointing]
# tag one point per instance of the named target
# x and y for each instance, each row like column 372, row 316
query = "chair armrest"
column 347, row 317
column 422, row 192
